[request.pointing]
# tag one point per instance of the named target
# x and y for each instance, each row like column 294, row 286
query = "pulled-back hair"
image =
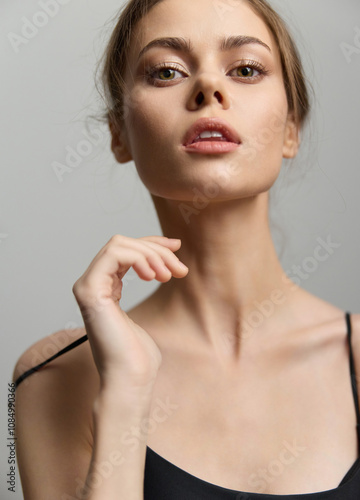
column 115, row 58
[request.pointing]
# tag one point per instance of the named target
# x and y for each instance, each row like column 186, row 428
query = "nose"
column 208, row 89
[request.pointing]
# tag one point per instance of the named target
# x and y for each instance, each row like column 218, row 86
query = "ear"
column 291, row 138
column 119, row 144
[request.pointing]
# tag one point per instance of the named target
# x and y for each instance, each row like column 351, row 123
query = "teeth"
column 207, row 134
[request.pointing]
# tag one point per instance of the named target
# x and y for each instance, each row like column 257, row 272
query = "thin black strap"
column 353, row 377
column 37, row 367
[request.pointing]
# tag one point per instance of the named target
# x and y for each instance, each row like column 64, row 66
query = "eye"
column 249, row 70
column 158, row 75
column 167, row 74
column 245, row 71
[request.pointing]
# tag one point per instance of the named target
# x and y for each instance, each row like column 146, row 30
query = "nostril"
column 218, row 96
column 199, row 98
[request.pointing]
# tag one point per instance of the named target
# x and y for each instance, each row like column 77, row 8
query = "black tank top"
column 165, row 481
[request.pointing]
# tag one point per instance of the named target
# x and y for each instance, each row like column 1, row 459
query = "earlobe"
column 291, row 139
column 118, row 144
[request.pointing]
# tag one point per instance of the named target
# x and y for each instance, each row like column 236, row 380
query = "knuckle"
column 77, row 286
column 152, row 256
column 117, row 239
column 108, row 251
column 167, row 255
column 84, row 287
column 140, row 258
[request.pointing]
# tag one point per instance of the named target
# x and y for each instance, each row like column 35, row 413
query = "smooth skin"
column 239, row 395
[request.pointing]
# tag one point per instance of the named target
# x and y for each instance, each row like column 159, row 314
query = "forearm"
column 118, row 461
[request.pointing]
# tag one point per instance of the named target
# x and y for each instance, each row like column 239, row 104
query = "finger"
column 163, row 240
column 142, row 244
column 149, row 258
column 170, row 260
column 115, row 260
column 150, row 247
column 146, row 262
column 166, row 267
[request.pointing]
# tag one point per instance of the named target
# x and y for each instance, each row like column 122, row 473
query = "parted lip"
column 211, row 124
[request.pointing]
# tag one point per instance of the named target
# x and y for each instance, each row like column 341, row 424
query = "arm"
column 72, row 424
column 69, row 434
column 117, row 465
column 53, row 420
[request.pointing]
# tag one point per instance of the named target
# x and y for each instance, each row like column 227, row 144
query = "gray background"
column 51, row 227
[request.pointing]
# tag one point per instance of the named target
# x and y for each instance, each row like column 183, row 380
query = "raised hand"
column 123, row 351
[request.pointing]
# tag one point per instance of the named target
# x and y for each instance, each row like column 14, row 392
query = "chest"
column 293, row 431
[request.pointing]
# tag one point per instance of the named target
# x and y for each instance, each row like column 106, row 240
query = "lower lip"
column 211, row 147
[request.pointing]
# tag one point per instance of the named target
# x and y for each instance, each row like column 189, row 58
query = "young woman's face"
column 207, row 79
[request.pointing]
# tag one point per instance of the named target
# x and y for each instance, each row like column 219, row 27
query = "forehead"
column 204, row 22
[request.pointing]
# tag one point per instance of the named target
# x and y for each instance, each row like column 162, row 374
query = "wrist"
column 125, row 400
column 127, row 385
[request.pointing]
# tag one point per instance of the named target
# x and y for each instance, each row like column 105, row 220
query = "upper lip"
column 211, row 124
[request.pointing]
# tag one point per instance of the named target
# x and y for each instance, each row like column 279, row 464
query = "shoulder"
column 71, row 378
column 68, row 363
column 71, row 375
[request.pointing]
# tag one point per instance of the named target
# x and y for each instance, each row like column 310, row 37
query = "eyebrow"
column 181, row 44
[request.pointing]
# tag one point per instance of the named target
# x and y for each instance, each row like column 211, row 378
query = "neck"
column 233, row 271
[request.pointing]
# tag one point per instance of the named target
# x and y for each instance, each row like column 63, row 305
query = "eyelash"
column 150, row 72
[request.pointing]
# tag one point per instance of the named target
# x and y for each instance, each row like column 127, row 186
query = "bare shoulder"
column 69, row 363
column 72, row 376
column 53, row 411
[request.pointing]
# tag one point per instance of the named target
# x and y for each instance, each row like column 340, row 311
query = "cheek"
column 266, row 130
column 153, row 131
column 264, row 134
column 147, row 120
column 149, row 136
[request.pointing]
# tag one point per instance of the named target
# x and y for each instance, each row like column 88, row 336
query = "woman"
column 229, row 381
